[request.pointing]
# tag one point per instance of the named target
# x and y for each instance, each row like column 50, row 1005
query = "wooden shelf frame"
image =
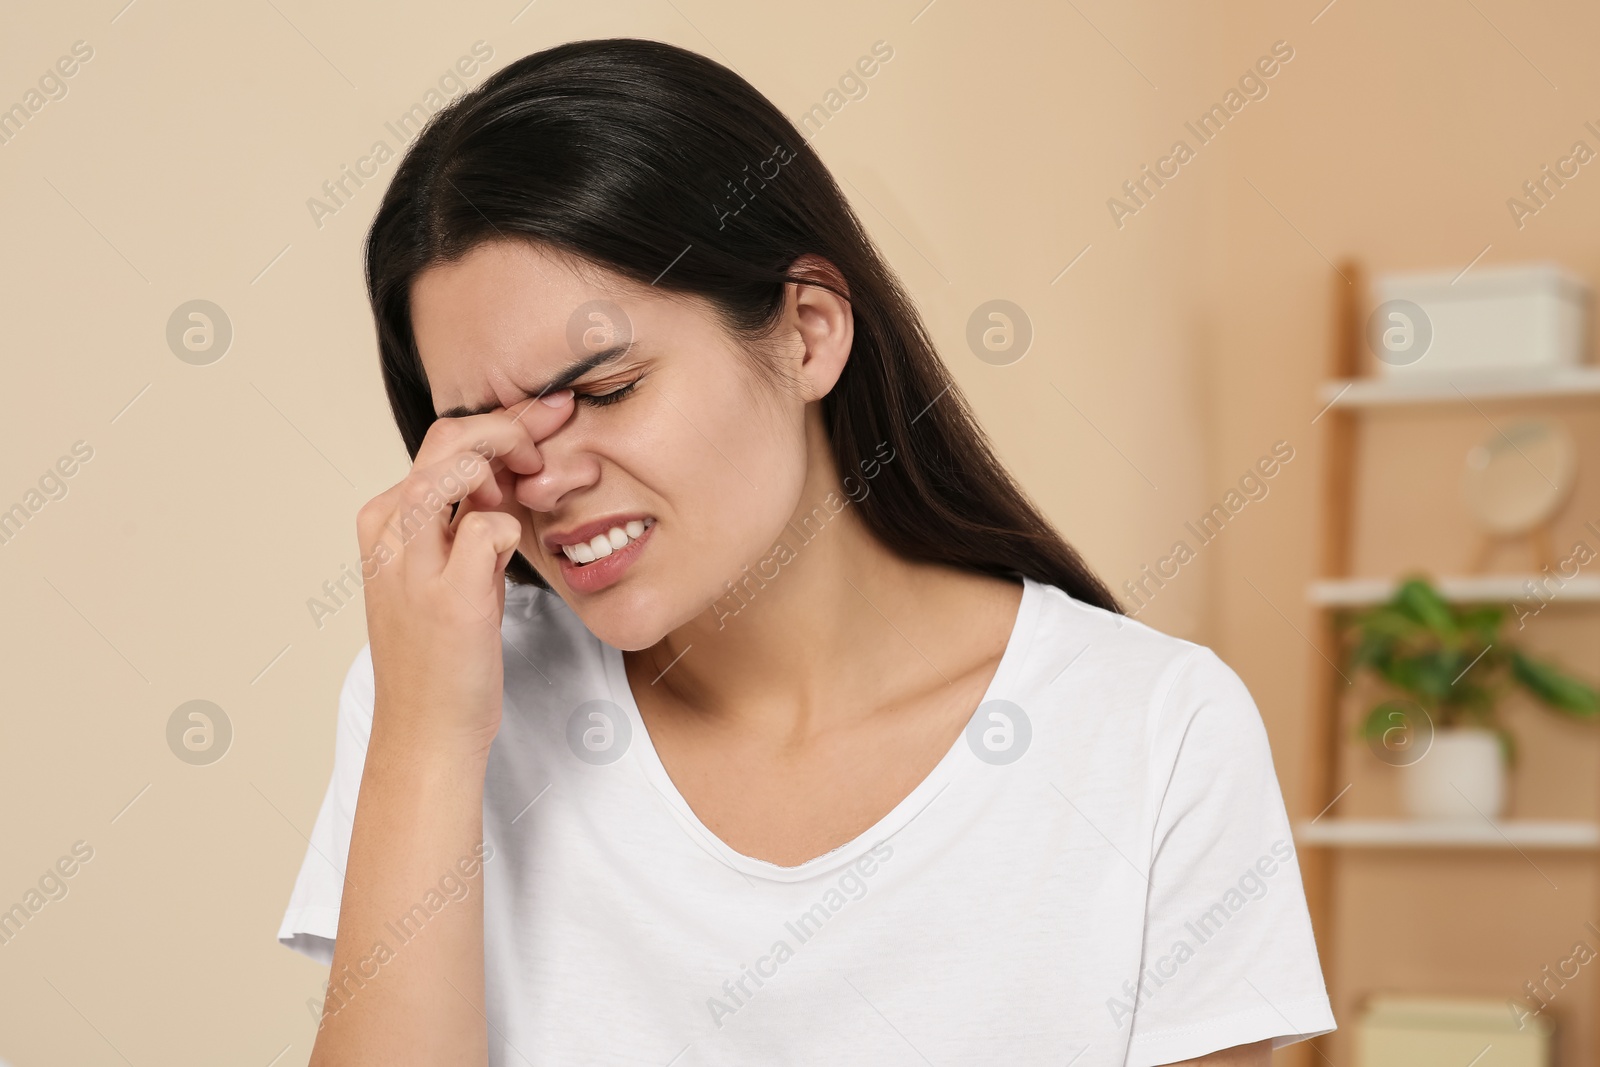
column 1347, row 395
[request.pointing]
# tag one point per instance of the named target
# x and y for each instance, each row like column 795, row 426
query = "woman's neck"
column 830, row 626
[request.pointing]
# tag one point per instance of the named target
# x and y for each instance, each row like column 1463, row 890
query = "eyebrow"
column 572, row 373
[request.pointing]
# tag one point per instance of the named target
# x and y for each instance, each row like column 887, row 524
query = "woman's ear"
column 823, row 321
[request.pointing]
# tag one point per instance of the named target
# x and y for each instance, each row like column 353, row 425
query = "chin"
column 624, row 618
column 626, row 632
column 643, row 607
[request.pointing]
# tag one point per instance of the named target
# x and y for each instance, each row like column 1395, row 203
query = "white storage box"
column 1400, row 1031
column 1526, row 316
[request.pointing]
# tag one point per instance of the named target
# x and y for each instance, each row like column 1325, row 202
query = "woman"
column 725, row 701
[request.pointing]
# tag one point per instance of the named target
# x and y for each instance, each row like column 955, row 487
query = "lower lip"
column 603, row 573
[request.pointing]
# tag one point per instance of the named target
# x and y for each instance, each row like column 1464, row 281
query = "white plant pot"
column 1461, row 776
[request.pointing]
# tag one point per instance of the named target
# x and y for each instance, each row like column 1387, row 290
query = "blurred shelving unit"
column 1462, row 386
column 1345, row 397
column 1450, row 833
column 1472, row 589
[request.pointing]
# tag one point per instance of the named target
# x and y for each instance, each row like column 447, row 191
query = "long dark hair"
column 626, row 152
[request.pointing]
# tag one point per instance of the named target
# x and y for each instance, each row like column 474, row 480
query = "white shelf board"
column 1450, row 833
column 1458, row 386
column 1469, row 589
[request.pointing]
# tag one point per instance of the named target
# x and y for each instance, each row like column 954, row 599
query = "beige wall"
column 1176, row 351
column 1398, row 141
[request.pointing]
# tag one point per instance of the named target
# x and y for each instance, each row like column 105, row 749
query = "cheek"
column 724, row 474
column 749, row 510
column 731, row 472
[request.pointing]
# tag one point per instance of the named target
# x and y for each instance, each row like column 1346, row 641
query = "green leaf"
column 1390, row 622
column 1427, row 674
column 1417, row 598
column 1390, row 715
column 1372, row 650
column 1482, row 623
column 1553, row 687
column 1470, row 694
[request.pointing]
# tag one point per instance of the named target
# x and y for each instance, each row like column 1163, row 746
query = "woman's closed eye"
column 602, row 399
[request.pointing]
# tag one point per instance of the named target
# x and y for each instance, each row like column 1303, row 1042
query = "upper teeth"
column 602, row 545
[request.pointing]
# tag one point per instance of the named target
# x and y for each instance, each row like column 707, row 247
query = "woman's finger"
column 507, row 436
column 420, row 507
column 481, row 541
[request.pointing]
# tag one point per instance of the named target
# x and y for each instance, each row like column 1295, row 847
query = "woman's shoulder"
column 1134, row 687
column 1107, row 640
column 1088, row 652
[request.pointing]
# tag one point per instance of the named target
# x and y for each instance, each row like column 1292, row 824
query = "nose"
column 570, row 465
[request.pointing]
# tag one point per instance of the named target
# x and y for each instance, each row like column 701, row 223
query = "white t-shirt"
column 1099, row 872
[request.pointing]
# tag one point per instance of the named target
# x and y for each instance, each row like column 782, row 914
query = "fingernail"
column 557, row 398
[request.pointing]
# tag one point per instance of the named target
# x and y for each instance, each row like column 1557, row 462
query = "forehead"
column 500, row 305
column 510, row 317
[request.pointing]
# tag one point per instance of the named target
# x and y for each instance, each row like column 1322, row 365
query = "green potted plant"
column 1449, row 669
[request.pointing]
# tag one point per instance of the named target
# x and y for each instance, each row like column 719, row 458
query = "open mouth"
column 602, row 545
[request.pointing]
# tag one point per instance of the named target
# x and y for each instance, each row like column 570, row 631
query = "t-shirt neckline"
column 913, row 804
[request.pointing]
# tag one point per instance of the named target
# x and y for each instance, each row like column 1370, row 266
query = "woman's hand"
column 434, row 604
column 435, row 590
